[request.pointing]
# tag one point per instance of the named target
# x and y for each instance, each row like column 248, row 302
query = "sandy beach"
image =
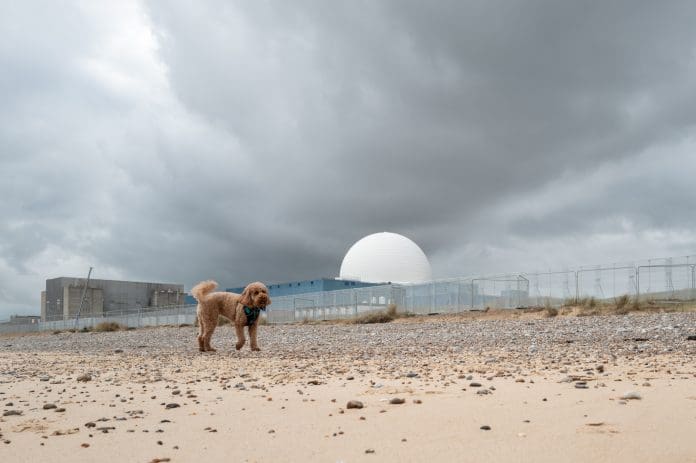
column 457, row 388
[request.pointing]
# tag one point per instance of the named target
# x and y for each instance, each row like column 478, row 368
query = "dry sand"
column 553, row 392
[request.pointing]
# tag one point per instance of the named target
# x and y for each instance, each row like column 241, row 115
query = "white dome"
column 384, row 257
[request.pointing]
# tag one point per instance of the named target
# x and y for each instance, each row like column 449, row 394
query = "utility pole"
column 84, row 293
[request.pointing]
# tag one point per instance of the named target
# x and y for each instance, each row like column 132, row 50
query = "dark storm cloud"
column 258, row 140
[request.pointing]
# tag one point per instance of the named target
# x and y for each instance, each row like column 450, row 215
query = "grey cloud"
column 252, row 140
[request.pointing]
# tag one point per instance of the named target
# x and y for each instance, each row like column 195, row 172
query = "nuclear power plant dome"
column 386, row 257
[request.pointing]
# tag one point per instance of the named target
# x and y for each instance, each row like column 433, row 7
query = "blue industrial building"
column 317, row 285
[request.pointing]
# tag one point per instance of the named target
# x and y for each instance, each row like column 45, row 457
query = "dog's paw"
column 255, row 348
column 239, row 345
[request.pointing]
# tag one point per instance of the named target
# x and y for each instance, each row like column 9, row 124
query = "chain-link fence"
column 664, row 280
column 132, row 318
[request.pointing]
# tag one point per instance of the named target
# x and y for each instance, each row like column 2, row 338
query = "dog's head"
column 255, row 295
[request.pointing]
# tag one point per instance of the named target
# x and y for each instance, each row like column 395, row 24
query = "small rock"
column 370, row 451
column 581, row 385
column 631, row 395
column 354, row 404
column 474, row 384
column 172, row 405
column 485, row 427
column 49, row 406
column 411, row 374
column 84, row 377
column 397, row 401
column 691, row 337
column 12, row 413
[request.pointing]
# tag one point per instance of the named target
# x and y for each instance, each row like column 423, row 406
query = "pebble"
column 397, row 401
column 631, row 395
column 172, row 405
column 49, row 406
column 12, row 413
column 485, row 427
column 84, row 377
column 354, row 404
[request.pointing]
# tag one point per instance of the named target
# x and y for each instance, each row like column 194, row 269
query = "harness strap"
column 252, row 313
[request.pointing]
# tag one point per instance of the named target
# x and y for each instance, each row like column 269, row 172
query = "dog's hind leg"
column 207, row 329
column 206, row 339
column 201, row 339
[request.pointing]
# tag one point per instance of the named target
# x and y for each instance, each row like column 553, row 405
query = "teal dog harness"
column 252, row 313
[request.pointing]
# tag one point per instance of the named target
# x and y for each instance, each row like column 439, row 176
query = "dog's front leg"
column 240, row 336
column 252, row 336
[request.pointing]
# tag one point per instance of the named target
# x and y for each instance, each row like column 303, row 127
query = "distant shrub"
column 108, row 326
column 382, row 316
column 551, row 312
column 622, row 301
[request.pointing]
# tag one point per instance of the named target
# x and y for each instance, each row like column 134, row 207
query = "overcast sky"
column 258, row 140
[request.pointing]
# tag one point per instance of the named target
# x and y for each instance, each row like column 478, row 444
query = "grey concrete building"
column 61, row 299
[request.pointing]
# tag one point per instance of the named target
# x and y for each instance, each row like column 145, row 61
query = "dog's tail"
column 201, row 290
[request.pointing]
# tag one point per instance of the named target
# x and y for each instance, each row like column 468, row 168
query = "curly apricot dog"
column 241, row 309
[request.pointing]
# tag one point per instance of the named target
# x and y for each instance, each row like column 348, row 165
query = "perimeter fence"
column 664, row 280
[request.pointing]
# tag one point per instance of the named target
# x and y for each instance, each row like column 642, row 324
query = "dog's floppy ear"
column 245, row 298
